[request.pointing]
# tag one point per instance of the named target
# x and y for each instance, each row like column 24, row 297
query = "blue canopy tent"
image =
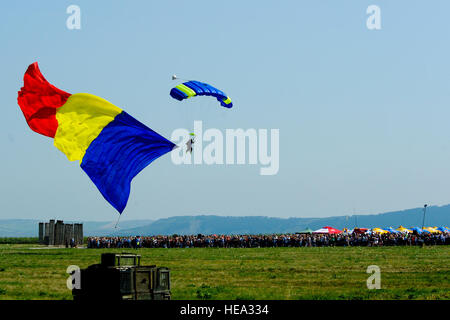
column 392, row 230
column 417, row 230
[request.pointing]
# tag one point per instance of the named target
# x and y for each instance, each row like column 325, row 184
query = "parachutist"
column 189, row 144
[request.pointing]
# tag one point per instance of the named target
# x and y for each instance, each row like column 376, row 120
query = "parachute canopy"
column 195, row 88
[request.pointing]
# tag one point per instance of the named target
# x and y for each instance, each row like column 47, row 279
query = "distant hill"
column 19, row 228
column 211, row 224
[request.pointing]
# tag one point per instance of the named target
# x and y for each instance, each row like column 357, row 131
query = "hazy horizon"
column 205, row 214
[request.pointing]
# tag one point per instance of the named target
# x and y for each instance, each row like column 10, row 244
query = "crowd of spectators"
column 274, row 240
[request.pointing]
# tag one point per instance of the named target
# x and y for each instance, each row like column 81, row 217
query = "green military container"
column 121, row 277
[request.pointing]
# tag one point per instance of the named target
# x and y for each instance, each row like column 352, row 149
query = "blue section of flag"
column 123, row 148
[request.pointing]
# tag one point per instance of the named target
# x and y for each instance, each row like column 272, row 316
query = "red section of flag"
column 38, row 100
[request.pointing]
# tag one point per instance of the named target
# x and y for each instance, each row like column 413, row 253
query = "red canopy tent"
column 360, row 230
column 328, row 230
column 332, row 230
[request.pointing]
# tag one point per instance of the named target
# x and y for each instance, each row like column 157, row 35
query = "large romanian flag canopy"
column 111, row 146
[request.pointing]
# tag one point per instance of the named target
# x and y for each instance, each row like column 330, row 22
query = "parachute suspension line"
column 175, row 77
column 115, row 227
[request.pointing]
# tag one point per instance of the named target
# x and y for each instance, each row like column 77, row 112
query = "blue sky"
column 363, row 114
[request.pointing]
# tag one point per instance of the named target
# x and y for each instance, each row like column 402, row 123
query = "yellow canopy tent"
column 403, row 229
column 379, row 230
column 432, row 230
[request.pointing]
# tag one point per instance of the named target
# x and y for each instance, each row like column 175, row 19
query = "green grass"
column 265, row 273
column 18, row 240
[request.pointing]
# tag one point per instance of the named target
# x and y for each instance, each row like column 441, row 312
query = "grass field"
column 260, row 273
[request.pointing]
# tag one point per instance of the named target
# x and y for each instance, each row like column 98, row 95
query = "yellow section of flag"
column 80, row 121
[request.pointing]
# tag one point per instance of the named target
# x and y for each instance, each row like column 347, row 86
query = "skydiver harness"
column 189, row 143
